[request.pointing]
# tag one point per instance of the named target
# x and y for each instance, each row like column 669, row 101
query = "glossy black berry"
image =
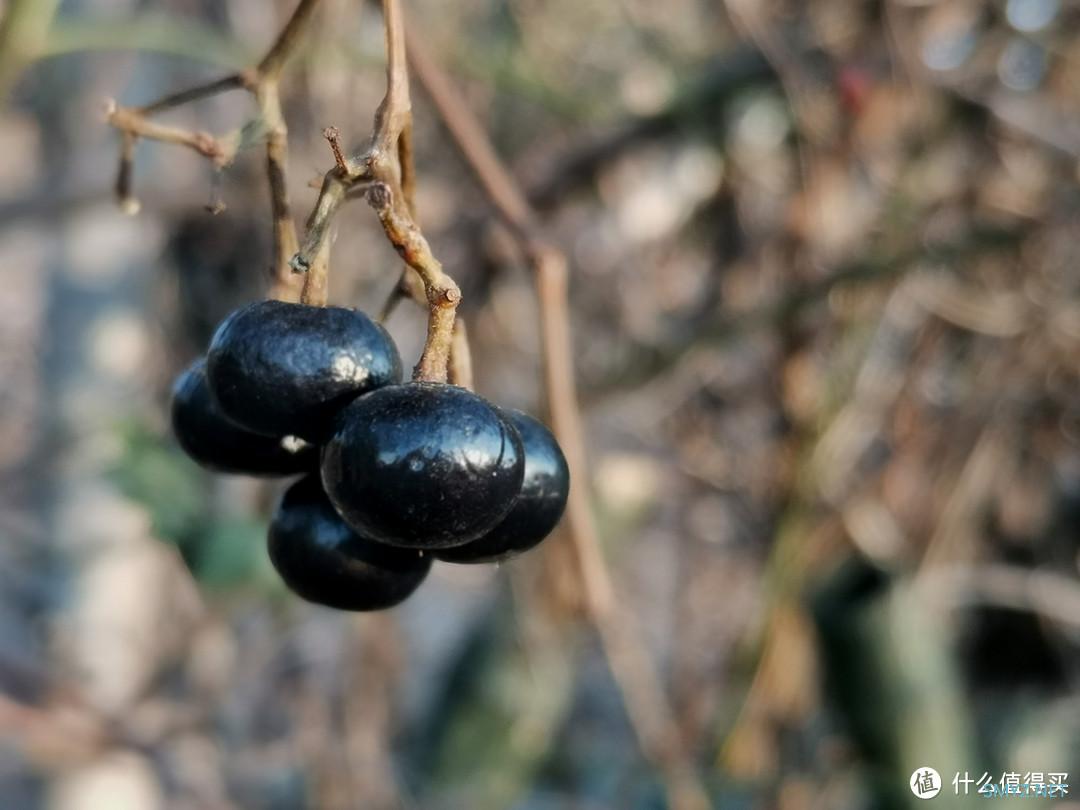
column 538, row 507
column 212, row 440
column 287, row 369
column 423, row 465
column 324, row 561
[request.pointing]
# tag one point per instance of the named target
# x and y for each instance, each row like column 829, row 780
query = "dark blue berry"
column 423, row 465
column 287, row 369
column 539, row 505
column 218, row 444
column 324, row 561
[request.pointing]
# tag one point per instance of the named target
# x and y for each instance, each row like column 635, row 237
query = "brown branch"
column 277, row 158
column 380, row 169
column 626, row 652
column 332, row 196
column 262, row 81
column 236, row 81
column 396, row 296
column 408, row 168
column 443, row 295
column 269, row 69
column 316, row 288
column 471, row 139
column 409, row 285
column 124, row 175
column 134, row 125
column 394, row 113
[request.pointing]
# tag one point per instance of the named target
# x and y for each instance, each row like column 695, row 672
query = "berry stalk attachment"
column 384, row 170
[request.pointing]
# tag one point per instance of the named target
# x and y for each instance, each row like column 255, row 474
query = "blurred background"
column 825, row 291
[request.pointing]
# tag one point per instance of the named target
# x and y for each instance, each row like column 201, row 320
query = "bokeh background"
column 825, row 290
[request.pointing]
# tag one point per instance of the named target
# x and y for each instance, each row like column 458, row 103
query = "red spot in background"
column 853, row 84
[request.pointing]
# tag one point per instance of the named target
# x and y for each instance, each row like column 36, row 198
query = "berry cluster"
column 391, row 470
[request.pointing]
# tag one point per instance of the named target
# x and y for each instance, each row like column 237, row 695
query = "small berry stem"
column 393, row 131
column 386, row 170
column 443, row 294
column 316, row 288
column 277, row 154
column 331, row 196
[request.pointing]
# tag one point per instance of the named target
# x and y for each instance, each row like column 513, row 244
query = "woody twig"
column 262, row 81
column 385, row 169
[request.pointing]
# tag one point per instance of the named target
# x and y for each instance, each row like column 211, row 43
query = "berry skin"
column 287, row 369
column 423, row 465
column 324, row 561
column 539, row 505
column 218, row 444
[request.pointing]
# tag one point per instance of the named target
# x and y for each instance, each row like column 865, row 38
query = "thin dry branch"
column 380, row 170
column 235, row 81
column 316, row 289
column 627, row 655
column 384, row 170
column 442, row 293
column 395, row 112
column 471, row 139
column 124, row 175
column 262, row 81
column 409, row 285
column 408, row 168
column 270, row 67
column 277, row 159
column 134, row 125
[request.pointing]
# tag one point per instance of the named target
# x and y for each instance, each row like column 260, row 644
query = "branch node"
column 449, row 296
column 379, row 196
column 209, row 146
